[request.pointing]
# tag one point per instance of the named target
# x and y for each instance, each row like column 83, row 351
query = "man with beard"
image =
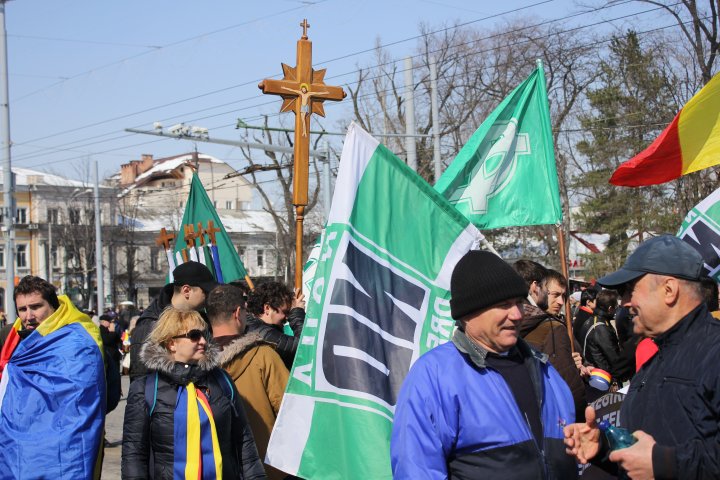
column 52, row 393
column 545, row 330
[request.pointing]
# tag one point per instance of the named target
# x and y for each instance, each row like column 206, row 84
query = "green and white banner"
column 701, row 229
column 379, row 300
column 505, row 175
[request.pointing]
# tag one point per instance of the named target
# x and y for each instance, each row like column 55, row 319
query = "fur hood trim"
column 157, row 357
column 240, row 346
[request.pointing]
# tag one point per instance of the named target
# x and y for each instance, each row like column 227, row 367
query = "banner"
column 690, row 143
column 701, row 229
column 379, row 300
column 200, row 209
column 505, row 175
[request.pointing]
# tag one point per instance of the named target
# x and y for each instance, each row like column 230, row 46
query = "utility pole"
column 8, row 180
column 100, row 290
column 326, row 181
column 410, row 146
column 435, row 110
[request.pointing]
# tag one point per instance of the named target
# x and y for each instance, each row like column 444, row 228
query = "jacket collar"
column 156, row 357
column 478, row 354
column 240, row 346
column 678, row 331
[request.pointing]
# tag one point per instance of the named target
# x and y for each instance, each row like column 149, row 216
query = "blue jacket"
column 457, row 418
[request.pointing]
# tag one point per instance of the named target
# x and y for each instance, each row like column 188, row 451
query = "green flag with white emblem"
column 378, row 300
column 505, row 174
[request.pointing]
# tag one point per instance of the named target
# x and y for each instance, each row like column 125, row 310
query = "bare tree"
column 277, row 195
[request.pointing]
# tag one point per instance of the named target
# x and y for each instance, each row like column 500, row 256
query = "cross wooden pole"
column 164, row 239
column 303, row 91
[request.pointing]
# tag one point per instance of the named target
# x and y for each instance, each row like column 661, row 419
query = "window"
column 2, row 257
column 229, row 204
column 154, row 257
column 241, row 252
column 74, row 216
column 260, row 258
column 90, row 216
column 52, row 216
column 21, row 259
column 215, row 203
column 21, row 215
column 54, row 257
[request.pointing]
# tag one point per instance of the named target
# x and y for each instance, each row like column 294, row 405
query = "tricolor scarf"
column 197, row 450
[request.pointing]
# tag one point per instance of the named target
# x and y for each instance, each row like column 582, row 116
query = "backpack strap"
column 227, row 387
column 592, row 327
column 151, row 389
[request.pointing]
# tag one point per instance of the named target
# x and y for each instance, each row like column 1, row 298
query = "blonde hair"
column 173, row 322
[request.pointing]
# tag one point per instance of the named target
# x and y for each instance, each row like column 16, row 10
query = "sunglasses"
column 192, row 335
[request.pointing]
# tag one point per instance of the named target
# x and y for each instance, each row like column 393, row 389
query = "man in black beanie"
column 485, row 402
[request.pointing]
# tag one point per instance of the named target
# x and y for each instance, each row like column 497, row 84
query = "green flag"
column 701, row 229
column 378, row 300
column 200, row 209
column 505, row 174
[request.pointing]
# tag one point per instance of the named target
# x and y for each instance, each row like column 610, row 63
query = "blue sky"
column 82, row 71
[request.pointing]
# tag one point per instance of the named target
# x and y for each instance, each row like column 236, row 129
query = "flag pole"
column 566, row 274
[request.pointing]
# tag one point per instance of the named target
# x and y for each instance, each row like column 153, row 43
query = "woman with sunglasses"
column 185, row 419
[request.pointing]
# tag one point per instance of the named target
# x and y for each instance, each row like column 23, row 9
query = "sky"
column 82, row 71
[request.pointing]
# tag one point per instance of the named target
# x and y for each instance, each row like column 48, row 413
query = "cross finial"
column 305, row 25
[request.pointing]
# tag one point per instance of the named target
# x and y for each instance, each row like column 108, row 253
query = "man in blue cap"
column 673, row 404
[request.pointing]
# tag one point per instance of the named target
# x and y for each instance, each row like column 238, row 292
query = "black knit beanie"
column 480, row 280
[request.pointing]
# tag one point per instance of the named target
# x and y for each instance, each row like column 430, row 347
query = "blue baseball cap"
column 662, row 255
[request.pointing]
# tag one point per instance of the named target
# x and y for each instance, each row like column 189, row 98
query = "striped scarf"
column 197, row 451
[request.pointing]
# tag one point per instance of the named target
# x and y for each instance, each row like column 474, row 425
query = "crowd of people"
column 507, row 397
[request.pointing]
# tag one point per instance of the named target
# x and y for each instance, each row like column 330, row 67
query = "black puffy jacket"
column 285, row 345
column 148, row 451
column 143, row 327
column 601, row 347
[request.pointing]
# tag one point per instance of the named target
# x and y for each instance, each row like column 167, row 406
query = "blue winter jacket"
column 457, row 418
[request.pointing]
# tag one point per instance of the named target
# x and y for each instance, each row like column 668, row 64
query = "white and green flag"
column 379, row 300
column 701, row 229
column 505, row 175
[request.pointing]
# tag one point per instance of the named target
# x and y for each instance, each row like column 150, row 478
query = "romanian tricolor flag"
column 196, row 447
column 52, row 400
column 690, row 143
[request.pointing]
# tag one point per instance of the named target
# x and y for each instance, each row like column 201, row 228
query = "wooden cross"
column 211, row 231
column 303, row 91
column 164, row 239
column 200, row 235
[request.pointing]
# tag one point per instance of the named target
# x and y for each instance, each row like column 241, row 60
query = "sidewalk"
column 113, row 434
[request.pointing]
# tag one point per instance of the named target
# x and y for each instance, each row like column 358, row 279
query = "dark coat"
column 285, row 345
column 601, row 347
column 144, row 325
column 148, row 450
column 675, row 397
column 548, row 334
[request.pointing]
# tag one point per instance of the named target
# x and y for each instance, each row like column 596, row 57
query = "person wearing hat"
column 192, row 283
column 485, row 404
column 673, row 404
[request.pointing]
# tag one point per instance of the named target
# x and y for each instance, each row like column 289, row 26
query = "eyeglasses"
column 192, row 335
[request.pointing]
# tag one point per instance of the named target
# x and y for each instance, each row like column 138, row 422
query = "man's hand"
column 582, row 440
column 298, row 299
column 636, row 460
column 583, row 369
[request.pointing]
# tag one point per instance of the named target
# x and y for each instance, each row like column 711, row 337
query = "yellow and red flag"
column 690, row 143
